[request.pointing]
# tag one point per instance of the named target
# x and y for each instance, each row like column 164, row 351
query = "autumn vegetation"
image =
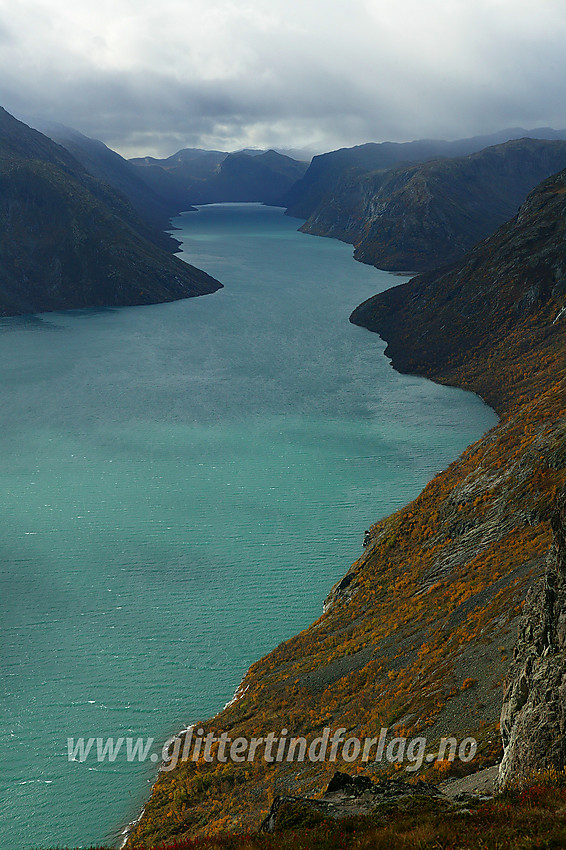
column 531, row 819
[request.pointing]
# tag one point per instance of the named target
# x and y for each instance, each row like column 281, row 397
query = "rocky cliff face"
column 425, row 216
column 326, row 171
column 503, row 306
column 533, row 717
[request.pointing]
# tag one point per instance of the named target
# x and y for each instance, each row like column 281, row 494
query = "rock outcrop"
column 346, row 796
column 533, row 717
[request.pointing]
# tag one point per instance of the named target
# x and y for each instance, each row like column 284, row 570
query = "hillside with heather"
column 418, row 635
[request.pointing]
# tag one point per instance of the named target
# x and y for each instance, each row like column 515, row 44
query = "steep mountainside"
column 264, row 177
column 189, row 163
column 325, row 170
column 416, row 637
column 208, row 177
column 502, row 305
column 109, row 166
column 68, row 240
column 425, row 216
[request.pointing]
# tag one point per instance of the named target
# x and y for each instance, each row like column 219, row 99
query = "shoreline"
column 478, row 534
column 131, row 825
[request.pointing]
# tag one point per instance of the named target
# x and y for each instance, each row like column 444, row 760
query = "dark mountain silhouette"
column 68, row 239
column 104, row 163
column 207, row 177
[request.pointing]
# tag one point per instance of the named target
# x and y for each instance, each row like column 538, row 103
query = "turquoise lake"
column 180, row 486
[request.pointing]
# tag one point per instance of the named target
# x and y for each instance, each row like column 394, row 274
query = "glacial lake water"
column 180, row 486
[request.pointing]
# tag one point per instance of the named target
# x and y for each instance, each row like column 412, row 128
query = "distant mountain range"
column 69, row 240
column 161, row 188
column 404, row 206
column 208, row 177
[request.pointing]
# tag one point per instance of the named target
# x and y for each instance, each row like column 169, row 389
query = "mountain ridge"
column 427, row 215
column 306, row 195
column 69, row 240
column 208, row 177
column 107, row 165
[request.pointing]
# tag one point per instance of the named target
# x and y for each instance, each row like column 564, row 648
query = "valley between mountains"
column 420, row 635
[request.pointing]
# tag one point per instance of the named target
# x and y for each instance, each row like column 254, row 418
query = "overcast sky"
column 153, row 77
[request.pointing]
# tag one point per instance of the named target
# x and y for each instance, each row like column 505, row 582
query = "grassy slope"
column 533, row 818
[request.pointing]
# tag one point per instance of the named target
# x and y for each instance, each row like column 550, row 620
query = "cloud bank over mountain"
column 150, row 77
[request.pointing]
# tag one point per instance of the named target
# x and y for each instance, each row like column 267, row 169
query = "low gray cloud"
column 151, row 78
